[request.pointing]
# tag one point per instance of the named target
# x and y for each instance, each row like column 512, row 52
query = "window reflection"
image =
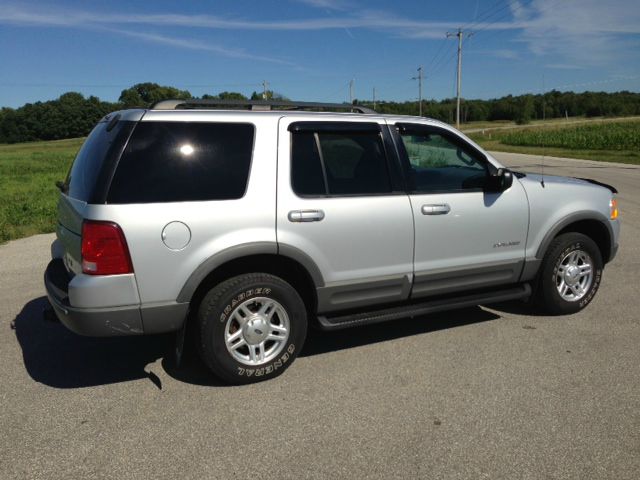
column 186, row 149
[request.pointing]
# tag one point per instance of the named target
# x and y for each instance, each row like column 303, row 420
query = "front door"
column 465, row 238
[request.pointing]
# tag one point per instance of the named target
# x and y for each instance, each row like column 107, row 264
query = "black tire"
column 213, row 319
column 548, row 298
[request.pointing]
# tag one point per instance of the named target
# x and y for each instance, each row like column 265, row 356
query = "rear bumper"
column 95, row 322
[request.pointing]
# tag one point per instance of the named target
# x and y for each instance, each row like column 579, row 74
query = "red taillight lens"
column 104, row 249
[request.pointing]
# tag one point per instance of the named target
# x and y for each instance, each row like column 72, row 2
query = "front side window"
column 438, row 163
column 339, row 163
column 183, row 161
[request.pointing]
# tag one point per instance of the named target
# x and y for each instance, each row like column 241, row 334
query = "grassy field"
column 28, row 172
column 611, row 141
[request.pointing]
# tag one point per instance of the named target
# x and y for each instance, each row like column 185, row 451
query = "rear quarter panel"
column 214, row 225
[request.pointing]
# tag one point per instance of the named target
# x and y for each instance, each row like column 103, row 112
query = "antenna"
column 544, row 146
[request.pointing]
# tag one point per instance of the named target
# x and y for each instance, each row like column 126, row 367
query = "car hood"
column 558, row 180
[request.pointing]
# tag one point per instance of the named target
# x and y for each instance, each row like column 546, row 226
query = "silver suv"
column 247, row 223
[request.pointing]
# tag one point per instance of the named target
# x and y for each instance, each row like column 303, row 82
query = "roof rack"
column 263, row 105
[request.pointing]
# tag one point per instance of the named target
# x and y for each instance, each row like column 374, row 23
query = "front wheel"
column 251, row 328
column 570, row 275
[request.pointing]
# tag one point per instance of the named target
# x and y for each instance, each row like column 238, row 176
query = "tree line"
column 74, row 115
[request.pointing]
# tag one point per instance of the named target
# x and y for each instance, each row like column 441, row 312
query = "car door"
column 465, row 237
column 341, row 208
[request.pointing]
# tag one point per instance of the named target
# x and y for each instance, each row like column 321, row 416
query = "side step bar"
column 338, row 322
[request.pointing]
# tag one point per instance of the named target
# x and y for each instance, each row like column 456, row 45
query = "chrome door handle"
column 305, row 215
column 436, row 209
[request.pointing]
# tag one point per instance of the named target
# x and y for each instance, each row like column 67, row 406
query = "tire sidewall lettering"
column 596, row 277
column 241, row 297
column 271, row 368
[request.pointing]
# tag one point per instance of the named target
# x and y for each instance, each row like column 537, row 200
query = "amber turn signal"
column 613, row 204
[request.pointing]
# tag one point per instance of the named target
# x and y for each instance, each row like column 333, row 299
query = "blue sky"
column 311, row 49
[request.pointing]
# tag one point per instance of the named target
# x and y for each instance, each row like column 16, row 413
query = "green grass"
column 611, row 141
column 28, row 195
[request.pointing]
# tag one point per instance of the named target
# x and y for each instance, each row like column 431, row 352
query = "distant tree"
column 231, row 96
column 524, row 109
column 260, row 95
column 73, row 115
column 144, row 94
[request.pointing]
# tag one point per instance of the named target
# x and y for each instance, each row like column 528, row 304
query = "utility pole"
column 459, row 34
column 351, row 90
column 265, row 86
column 374, row 98
column 419, row 78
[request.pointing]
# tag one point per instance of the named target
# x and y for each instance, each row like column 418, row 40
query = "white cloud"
column 327, row 4
column 498, row 53
column 195, row 45
column 579, row 32
column 363, row 19
column 103, row 22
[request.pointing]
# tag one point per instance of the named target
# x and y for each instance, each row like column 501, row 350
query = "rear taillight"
column 104, row 249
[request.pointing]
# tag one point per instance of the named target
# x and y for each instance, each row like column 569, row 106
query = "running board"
column 338, row 322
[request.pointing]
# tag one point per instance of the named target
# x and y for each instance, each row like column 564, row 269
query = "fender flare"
column 574, row 217
column 245, row 250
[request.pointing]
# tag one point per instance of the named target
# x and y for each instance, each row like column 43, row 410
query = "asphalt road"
column 476, row 393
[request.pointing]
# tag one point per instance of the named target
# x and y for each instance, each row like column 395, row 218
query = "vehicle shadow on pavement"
column 59, row 358
column 319, row 341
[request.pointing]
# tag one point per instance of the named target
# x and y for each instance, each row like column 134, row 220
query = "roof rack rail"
column 195, row 103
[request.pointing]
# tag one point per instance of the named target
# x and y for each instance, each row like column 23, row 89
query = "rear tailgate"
column 70, row 216
column 88, row 181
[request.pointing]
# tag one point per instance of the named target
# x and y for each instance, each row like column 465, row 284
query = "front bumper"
column 95, row 322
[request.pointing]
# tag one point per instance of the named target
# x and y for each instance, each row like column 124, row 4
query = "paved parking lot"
column 476, row 393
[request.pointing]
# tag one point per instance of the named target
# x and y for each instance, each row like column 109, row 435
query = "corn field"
column 601, row 136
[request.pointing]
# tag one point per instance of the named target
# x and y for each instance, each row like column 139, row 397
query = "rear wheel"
column 570, row 275
column 251, row 327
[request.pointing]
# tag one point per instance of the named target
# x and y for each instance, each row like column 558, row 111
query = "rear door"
column 465, row 238
column 341, row 207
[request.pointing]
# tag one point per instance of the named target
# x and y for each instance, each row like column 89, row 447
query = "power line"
column 443, row 63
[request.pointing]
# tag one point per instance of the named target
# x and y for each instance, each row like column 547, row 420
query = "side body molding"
column 245, row 250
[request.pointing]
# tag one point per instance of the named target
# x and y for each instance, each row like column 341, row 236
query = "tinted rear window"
column 101, row 144
column 339, row 163
column 183, row 161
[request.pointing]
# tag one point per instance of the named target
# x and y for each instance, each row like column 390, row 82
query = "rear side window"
column 339, row 163
column 183, row 161
column 102, row 143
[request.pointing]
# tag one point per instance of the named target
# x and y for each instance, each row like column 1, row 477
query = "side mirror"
column 499, row 181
